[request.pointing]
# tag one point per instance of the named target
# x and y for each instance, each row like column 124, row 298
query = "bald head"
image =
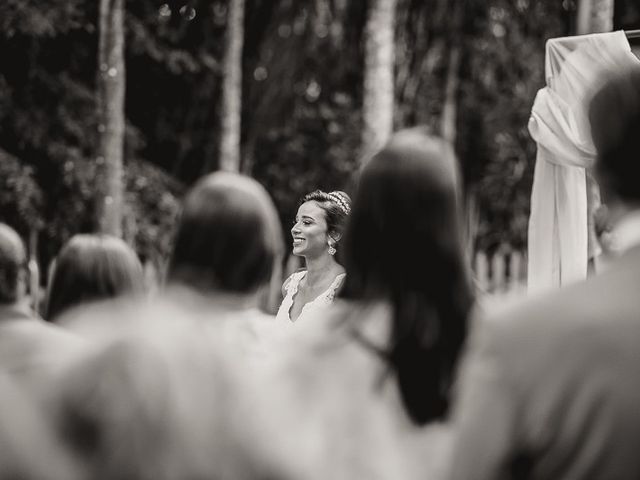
column 229, row 235
column 12, row 260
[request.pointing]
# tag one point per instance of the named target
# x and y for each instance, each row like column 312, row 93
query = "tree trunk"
column 378, row 102
column 594, row 16
column 231, row 111
column 111, row 120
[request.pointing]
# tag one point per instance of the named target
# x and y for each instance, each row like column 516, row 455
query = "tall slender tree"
column 230, row 115
column 594, row 16
column 377, row 112
column 450, row 106
column 111, row 119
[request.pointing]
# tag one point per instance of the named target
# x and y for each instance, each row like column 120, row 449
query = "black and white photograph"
column 319, row 239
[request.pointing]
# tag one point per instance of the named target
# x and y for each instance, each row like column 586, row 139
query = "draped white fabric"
column 558, row 234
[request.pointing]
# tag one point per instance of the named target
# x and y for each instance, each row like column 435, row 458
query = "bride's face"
column 309, row 232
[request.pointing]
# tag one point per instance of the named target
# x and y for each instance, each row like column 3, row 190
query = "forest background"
column 470, row 67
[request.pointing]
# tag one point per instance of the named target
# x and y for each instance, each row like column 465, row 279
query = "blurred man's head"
column 615, row 125
column 12, row 262
column 229, row 236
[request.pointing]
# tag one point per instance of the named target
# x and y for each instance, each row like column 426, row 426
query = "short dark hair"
column 12, row 264
column 228, row 236
column 614, row 114
column 92, row 267
column 403, row 244
column 336, row 206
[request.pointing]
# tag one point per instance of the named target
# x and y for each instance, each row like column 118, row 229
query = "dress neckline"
column 294, row 292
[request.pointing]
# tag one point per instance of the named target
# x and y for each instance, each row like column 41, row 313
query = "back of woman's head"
column 92, row 267
column 403, row 245
column 228, row 236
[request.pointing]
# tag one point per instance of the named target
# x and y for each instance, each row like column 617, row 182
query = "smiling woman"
column 316, row 235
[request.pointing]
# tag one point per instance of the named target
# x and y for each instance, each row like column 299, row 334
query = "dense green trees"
column 302, row 103
column 502, row 69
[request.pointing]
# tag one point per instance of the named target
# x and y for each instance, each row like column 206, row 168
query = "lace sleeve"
column 285, row 285
column 335, row 287
column 291, row 279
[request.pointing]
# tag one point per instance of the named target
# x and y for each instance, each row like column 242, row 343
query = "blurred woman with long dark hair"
column 403, row 249
column 367, row 382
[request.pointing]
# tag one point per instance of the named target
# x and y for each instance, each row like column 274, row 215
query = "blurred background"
column 113, row 108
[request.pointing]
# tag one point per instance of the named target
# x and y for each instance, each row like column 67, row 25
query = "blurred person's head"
column 614, row 114
column 319, row 223
column 403, row 245
column 228, row 237
column 92, row 267
column 12, row 266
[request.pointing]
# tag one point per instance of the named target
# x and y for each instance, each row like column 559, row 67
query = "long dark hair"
column 92, row 267
column 403, row 244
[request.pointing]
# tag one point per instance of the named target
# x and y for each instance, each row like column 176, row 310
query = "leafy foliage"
column 302, row 95
column 39, row 18
column 303, row 88
column 503, row 70
column 49, row 131
column 20, row 195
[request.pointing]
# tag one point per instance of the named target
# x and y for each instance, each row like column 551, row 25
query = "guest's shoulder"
column 531, row 312
column 34, row 330
column 537, row 329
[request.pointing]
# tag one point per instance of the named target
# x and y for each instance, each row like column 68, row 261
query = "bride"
column 316, row 234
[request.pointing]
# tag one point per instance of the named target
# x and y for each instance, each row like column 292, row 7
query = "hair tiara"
column 339, row 199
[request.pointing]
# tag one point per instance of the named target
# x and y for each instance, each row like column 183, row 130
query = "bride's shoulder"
column 292, row 280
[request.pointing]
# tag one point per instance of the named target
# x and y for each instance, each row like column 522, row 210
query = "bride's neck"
column 319, row 268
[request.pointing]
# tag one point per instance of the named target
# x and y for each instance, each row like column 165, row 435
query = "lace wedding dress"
column 321, row 301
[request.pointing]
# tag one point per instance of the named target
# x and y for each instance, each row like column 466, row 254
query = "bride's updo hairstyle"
column 228, row 236
column 336, row 206
column 403, row 245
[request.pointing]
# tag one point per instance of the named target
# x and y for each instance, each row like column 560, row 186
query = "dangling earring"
column 332, row 250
